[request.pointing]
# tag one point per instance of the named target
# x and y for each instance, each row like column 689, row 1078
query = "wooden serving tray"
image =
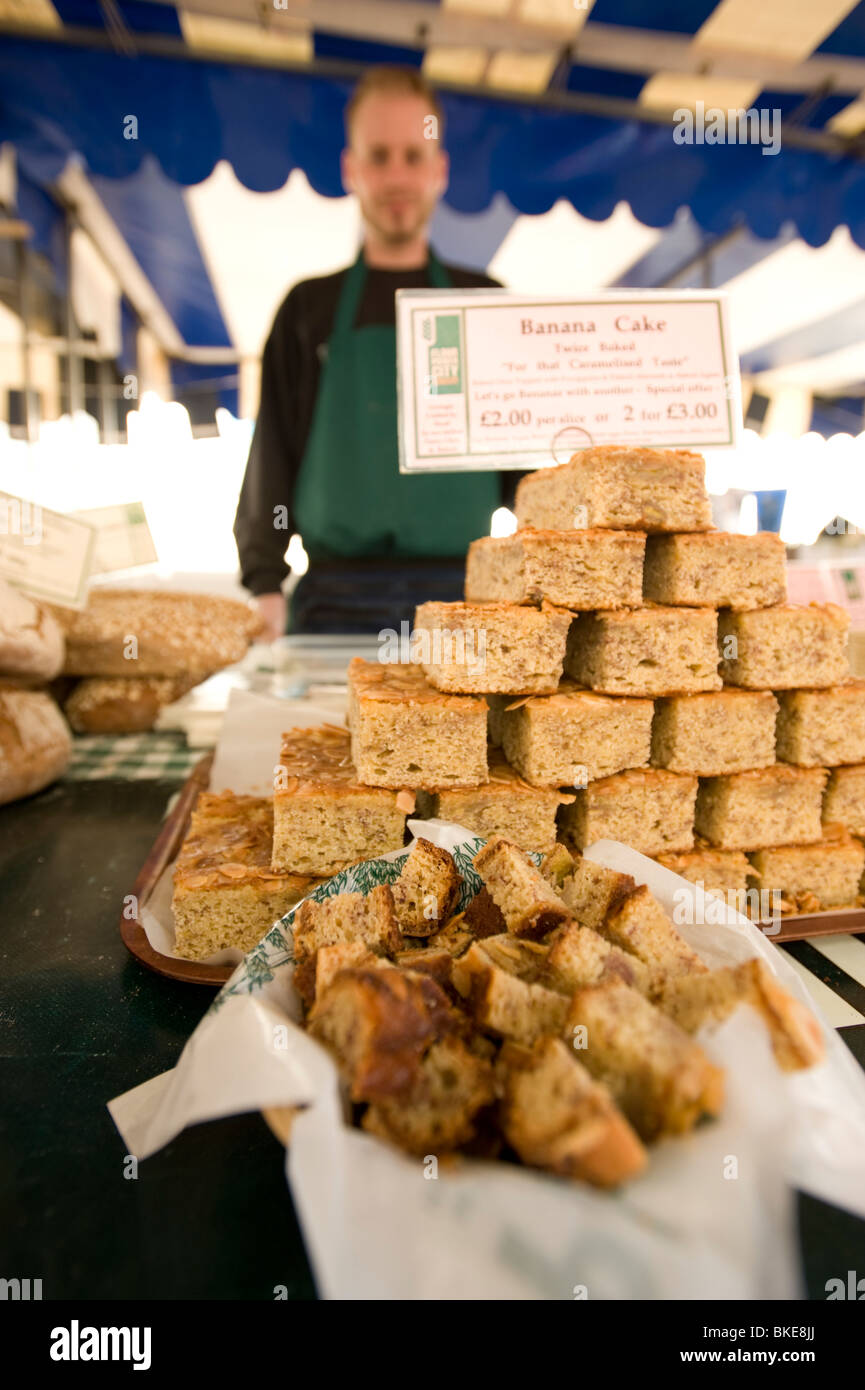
column 796, row 927
column 165, row 848
column 834, row 922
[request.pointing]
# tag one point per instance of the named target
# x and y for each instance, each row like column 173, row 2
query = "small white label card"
column 490, row 378
column 123, row 538
column 44, row 553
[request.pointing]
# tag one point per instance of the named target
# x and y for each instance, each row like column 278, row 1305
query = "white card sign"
column 489, row 379
column 46, row 554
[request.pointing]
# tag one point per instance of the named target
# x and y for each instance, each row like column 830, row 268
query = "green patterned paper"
column 274, row 951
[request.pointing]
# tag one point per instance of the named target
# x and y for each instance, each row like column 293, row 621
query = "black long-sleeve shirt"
column 290, row 370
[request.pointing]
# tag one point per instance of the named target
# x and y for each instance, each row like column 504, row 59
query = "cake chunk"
column 715, row 733
column 844, row 802
column 225, row 891
column 348, row 917
column 427, row 890
column 784, row 646
column 579, row 957
column 558, row 865
column 528, row 904
column 324, row 818
column 813, row 877
column 645, row 651
column 313, row 973
column 437, row 1111
column 498, row 647
column 694, row 1000
column 505, row 982
column 755, row 810
column 378, row 1023
column 716, row 569
column 620, row 488
column 575, row 736
column 655, row 1072
column 650, row 811
column 405, row 733
column 722, row 871
column 428, row 961
column 556, row 1117
column 822, row 728
column 591, row 891
column 503, row 805
column 640, row 925
column 575, row 569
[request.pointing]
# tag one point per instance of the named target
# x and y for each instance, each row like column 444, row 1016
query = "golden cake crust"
column 317, row 762
column 229, row 845
column 379, row 681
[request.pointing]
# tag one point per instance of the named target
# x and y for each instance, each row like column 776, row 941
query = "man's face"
column 397, row 174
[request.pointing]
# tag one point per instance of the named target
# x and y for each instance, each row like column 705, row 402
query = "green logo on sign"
column 445, row 365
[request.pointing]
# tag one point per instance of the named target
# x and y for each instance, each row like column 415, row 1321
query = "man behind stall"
column 324, row 456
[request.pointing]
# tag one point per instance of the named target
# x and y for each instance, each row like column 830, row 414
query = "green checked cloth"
column 132, row 757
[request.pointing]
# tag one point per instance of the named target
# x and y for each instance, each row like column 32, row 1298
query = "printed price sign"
column 488, row 378
column 46, row 554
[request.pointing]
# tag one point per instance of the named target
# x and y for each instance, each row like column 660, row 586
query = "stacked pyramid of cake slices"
column 645, row 680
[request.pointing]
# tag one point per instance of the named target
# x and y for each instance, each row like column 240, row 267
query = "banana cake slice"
column 324, row 817
column 620, row 488
column 225, row 891
column 575, row 569
column 405, row 733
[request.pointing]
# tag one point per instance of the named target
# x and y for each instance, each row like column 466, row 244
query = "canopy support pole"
column 22, row 273
column 703, row 258
column 75, row 392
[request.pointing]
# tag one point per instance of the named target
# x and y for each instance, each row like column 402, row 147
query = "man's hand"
column 272, row 609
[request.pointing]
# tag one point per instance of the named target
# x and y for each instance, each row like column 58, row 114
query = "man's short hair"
column 390, row 80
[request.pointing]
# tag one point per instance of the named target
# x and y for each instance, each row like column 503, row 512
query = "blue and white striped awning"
column 565, row 173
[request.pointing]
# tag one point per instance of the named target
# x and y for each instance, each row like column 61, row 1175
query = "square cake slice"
column 225, row 891
column 645, row 651
column 324, row 818
column 755, row 810
column 844, row 802
column 715, row 733
column 723, row 871
column 575, row 569
column 405, row 733
column 822, row 728
column 651, row 811
column 503, row 805
column 785, row 646
column 575, row 736
column 716, row 569
column 619, row 488
column 473, row 648
column 813, row 877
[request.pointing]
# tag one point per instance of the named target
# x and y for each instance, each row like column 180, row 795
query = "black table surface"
column 209, row 1216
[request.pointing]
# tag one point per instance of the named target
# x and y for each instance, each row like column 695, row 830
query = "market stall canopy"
column 214, row 180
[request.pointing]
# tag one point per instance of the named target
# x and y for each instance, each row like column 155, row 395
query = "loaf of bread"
column 129, row 632
column 102, row 705
column 31, row 641
column 35, row 745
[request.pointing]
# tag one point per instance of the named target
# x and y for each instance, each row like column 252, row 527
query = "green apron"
column 351, row 498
